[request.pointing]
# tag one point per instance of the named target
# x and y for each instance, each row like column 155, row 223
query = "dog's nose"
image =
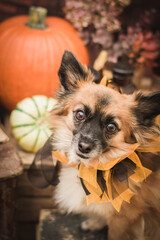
column 85, row 147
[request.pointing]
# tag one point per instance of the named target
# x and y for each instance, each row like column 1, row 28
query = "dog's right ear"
column 72, row 72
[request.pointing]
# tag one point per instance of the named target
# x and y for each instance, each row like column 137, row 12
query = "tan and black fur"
column 94, row 123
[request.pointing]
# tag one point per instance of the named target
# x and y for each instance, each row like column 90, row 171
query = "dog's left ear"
column 148, row 107
column 71, row 72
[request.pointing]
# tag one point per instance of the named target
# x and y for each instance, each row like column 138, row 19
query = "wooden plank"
column 26, row 157
column 7, row 209
column 56, row 224
column 26, row 189
column 3, row 136
column 28, row 208
column 26, row 231
column 10, row 164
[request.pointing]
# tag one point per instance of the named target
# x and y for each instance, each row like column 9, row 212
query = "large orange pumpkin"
column 30, row 57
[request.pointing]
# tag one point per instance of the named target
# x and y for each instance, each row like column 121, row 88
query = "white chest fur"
column 70, row 195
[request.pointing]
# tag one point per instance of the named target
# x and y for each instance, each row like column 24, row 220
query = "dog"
column 93, row 123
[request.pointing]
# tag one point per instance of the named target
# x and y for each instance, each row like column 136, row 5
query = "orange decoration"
column 30, row 57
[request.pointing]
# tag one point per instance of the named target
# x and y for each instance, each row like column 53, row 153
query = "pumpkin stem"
column 37, row 17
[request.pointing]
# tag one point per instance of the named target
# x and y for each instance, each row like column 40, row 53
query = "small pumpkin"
column 29, row 124
column 31, row 52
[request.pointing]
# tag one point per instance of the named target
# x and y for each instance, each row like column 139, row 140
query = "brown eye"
column 79, row 116
column 111, row 128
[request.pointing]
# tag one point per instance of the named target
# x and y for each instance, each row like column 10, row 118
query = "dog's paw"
column 93, row 224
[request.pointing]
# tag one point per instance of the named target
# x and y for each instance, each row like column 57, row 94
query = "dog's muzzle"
column 85, row 145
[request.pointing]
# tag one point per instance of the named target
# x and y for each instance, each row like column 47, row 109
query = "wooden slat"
column 28, row 208
column 3, row 136
column 56, row 224
column 10, row 164
column 7, row 209
column 26, row 189
column 26, row 231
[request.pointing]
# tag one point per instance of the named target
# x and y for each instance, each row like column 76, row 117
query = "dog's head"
column 94, row 122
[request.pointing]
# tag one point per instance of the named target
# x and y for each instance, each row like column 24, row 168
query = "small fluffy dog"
column 94, row 122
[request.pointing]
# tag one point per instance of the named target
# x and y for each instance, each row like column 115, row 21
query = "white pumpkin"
column 29, row 124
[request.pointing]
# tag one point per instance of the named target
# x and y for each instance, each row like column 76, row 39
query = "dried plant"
column 139, row 43
column 145, row 50
column 95, row 20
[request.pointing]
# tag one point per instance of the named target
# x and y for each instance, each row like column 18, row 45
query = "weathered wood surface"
column 3, row 136
column 8, row 209
column 27, row 231
column 31, row 200
column 29, row 208
column 10, row 163
column 29, row 203
column 10, row 168
column 26, row 189
column 58, row 225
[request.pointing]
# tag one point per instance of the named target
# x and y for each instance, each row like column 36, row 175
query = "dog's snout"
column 85, row 146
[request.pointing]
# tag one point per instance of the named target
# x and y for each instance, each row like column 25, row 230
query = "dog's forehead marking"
column 103, row 100
column 96, row 95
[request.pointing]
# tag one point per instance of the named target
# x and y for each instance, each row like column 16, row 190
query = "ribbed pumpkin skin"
column 29, row 122
column 30, row 58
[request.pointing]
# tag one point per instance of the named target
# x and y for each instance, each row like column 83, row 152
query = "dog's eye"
column 79, row 116
column 111, row 128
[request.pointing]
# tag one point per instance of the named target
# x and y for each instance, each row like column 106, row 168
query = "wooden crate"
column 10, row 168
column 56, row 224
column 29, row 199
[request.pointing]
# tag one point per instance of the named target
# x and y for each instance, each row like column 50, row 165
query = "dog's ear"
column 97, row 75
column 71, row 72
column 148, row 107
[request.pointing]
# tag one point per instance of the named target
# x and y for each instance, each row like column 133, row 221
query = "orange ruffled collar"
column 110, row 182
